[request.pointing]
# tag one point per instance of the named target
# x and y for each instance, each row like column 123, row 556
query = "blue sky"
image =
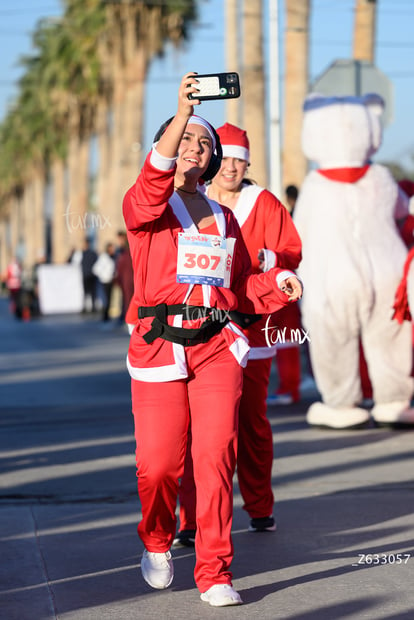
column 330, row 39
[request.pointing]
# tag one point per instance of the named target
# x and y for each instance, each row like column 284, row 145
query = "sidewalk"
column 344, row 547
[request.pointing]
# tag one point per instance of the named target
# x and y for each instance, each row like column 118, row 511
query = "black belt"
column 242, row 319
column 180, row 335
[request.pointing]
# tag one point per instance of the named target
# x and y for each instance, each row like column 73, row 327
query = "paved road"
column 344, row 547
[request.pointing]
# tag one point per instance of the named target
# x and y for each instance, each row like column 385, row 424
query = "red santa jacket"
column 266, row 224
column 154, row 215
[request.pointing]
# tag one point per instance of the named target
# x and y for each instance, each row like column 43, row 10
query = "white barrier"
column 60, row 289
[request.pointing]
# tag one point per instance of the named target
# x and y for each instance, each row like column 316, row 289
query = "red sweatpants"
column 209, row 400
column 255, row 453
column 288, row 362
column 289, row 369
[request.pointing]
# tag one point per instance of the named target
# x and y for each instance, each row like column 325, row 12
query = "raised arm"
column 148, row 197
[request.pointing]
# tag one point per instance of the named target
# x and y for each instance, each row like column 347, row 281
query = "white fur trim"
column 283, row 275
column 246, row 202
column 159, row 374
column 262, row 353
column 233, row 150
column 183, row 216
column 170, row 372
column 270, row 259
column 240, row 347
column 160, row 162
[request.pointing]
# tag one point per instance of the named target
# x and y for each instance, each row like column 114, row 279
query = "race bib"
column 204, row 259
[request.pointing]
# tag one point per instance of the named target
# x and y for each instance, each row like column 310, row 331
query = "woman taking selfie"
column 185, row 358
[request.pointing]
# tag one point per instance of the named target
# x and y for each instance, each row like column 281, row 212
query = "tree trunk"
column 254, row 91
column 15, row 226
column 364, row 30
column 296, row 88
column 25, row 241
column 61, row 247
column 78, row 168
column 33, row 229
column 105, row 207
column 5, row 250
column 134, row 117
column 233, row 111
column 117, row 137
column 38, row 230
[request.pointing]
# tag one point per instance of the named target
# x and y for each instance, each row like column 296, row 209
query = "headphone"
column 216, row 157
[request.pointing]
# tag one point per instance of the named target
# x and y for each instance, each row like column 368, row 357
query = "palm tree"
column 233, row 114
column 78, row 86
column 52, row 114
column 364, row 30
column 78, row 76
column 296, row 88
column 254, row 120
column 137, row 32
column 33, row 116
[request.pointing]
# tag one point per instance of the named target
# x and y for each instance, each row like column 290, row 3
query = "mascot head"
column 341, row 132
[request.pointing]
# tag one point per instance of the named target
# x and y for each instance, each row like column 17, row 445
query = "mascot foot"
column 320, row 414
column 396, row 413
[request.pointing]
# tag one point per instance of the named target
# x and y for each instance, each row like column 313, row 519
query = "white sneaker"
column 157, row 569
column 220, row 595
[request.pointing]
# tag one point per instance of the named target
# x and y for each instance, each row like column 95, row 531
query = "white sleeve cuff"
column 270, row 259
column 160, row 162
column 283, row 275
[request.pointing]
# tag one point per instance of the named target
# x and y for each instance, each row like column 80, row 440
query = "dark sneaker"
column 263, row 524
column 184, row 538
column 280, row 399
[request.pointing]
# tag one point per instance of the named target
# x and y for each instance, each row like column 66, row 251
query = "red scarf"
column 344, row 175
column 400, row 307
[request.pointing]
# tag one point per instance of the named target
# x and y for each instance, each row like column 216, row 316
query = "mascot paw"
column 320, row 414
column 396, row 413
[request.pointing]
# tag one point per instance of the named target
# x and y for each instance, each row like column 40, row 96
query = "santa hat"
column 234, row 142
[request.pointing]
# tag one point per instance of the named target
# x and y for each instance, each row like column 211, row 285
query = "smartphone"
column 216, row 86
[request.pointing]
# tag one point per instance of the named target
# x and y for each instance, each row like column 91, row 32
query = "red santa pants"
column 289, row 369
column 255, row 452
column 255, row 455
column 288, row 361
column 208, row 400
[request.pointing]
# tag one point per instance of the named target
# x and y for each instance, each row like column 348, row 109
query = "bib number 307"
column 204, row 259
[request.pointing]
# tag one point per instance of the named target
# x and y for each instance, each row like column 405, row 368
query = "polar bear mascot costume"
column 349, row 214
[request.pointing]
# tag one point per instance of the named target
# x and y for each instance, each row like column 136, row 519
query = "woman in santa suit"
column 272, row 240
column 191, row 268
